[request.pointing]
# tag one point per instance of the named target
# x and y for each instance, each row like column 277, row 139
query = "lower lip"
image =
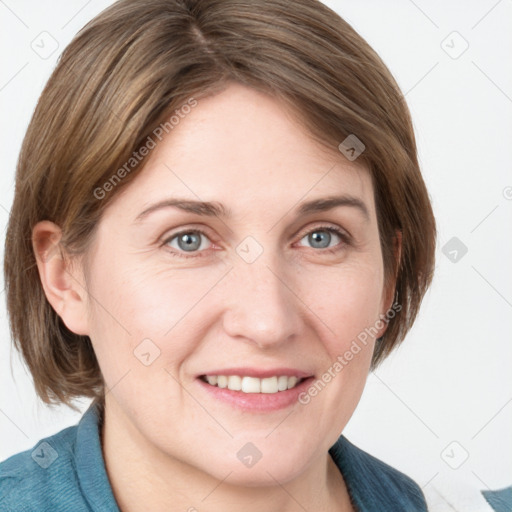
column 257, row 402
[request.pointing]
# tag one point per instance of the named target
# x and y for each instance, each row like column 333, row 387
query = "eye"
column 324, row 237
column 195, row 241
column 188, row 241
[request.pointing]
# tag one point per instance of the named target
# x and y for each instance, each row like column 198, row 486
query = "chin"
column 251, row 467
column 263, row 473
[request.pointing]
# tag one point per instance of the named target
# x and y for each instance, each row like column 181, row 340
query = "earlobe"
column 63, row 289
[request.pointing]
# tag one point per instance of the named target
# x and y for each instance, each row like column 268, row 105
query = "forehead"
column 245, row 149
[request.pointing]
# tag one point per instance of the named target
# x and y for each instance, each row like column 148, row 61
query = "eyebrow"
column 328, row 203
column 216, row 209
column 208, row 208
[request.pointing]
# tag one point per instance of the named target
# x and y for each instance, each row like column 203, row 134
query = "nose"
column 262, row 307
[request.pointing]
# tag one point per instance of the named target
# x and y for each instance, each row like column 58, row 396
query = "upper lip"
column 260, row 372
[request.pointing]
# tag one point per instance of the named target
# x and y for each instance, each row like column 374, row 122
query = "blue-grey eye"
column 321, row 238
column 188, row 241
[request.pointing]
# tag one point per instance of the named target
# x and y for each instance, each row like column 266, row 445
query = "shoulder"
column 43, row 477
column 373, row 484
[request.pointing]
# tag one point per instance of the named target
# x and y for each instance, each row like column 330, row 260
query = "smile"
column 247, row 384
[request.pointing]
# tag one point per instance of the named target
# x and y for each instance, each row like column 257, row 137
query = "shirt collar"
column 90, row 464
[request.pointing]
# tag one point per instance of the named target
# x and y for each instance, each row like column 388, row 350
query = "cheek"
column 133, row 302
column 347, row 300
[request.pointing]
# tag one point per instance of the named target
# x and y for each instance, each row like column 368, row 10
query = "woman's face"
column 264, row 287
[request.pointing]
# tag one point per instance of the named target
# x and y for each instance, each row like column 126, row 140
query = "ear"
column 63, row 284
column 388, row 294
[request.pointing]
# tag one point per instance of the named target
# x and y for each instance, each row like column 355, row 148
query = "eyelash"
column 198, row 254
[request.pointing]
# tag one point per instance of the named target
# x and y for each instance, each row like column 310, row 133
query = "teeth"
column 282, row 383
column 292, row 382
column 269, row 385
column 253, row 384
column 235, row 382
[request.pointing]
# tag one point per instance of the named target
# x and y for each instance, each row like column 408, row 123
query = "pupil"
column 320, row 239
column 189, row 242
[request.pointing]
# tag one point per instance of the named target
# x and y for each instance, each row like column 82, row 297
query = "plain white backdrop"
column 440, row 408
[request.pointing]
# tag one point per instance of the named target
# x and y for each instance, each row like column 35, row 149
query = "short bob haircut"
column 127, row 72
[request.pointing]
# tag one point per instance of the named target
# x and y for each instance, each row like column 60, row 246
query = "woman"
column 219, row 227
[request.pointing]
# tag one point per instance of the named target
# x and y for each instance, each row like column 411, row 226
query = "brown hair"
column 127, row 71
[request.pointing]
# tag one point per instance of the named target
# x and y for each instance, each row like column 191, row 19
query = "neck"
column 142, row 477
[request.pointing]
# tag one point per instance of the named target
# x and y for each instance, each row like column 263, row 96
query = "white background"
column 446, row 393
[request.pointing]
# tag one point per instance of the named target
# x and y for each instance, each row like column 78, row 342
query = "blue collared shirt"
column 66, row 472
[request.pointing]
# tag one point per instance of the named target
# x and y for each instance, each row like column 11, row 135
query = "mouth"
column 255, row 390
column 247, row 384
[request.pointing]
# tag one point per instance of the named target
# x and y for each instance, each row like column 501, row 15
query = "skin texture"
column 167, row 444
